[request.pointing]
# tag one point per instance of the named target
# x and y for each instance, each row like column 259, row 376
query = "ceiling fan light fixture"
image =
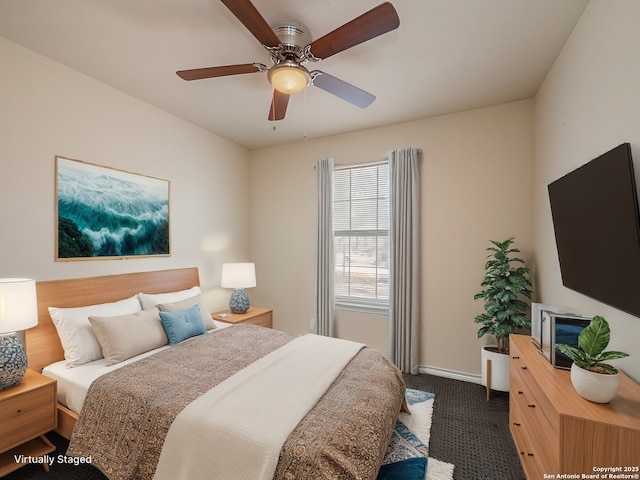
column 289, row 77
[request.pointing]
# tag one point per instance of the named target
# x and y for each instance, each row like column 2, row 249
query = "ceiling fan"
column 290, row 47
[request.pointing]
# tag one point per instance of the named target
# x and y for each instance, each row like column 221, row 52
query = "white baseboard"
column 441, row 372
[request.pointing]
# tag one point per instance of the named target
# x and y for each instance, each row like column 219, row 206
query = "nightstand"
column 255, row 316
column 27, row 412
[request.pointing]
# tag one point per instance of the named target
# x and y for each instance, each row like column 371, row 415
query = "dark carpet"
column 466, row 430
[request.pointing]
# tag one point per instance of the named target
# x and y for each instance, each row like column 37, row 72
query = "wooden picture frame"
column 106, row 213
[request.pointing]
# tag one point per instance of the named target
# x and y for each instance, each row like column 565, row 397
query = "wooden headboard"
column 43, row 344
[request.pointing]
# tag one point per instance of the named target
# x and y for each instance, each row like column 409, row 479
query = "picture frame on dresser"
column 540, row 316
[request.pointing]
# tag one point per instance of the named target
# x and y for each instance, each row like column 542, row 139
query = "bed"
column 343, row 434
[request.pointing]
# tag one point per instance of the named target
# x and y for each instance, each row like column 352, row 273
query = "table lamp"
column 238, row 276
column 18, row 311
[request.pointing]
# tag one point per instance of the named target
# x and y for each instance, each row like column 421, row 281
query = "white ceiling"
column 447, row 56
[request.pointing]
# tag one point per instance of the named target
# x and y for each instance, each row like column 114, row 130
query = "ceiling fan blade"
column 375, row 22
column 211, row 72
column 342, row 89
column 279, row 104
column 248, row 14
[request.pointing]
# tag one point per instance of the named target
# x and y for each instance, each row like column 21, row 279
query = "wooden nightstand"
column 255, row 316
column 27, row 412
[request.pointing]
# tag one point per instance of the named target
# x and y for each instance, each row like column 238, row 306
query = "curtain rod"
column 364, row 164
column 381, row 161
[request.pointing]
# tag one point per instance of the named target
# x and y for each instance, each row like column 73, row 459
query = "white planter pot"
column 595, row 387
column 495, row 375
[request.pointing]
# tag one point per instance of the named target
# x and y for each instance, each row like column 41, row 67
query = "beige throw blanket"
column 237, row 429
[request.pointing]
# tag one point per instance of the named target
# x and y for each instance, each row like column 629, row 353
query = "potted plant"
column 504, row 285
column 594, row 380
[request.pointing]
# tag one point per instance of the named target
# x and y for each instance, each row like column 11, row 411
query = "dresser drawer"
column 522, row 365
column 528, row 413
column 27, row 415
column 531, row 464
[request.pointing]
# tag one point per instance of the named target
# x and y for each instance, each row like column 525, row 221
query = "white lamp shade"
column 18, row 304
column 238, row 275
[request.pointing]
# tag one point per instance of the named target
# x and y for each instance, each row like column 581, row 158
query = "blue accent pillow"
column 409, row 469
column 182, row 324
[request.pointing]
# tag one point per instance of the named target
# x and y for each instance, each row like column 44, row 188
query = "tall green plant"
column 504, row 286
column 592, row 341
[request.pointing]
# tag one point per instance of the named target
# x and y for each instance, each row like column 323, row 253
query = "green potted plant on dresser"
column 594, row 380
column 506, row 282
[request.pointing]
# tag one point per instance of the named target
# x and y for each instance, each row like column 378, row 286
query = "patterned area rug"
column 409, row 447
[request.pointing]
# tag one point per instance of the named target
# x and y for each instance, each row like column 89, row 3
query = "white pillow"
column 174, row 301
column 125, row 336
column 148, row 300
column 74, row 329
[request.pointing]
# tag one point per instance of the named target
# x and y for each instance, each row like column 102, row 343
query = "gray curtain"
column 324, row 301
column 404, row 261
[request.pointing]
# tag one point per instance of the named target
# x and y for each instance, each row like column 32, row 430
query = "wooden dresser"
column 558, row 432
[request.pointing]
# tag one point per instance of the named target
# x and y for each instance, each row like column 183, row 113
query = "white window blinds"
column 361, row 230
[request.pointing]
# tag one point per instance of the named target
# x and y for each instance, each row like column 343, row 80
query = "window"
column 361, row 231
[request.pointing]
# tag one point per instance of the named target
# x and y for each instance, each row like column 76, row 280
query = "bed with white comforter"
column 230, row 402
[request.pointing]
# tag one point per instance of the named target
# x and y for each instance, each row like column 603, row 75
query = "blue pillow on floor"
column 409, row 469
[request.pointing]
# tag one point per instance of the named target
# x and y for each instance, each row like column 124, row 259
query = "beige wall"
column 47, row 109
column 588, row 104
column 476, row 181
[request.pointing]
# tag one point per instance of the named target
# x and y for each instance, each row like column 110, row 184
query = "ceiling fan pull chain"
column 304, row 117
column 272, row 110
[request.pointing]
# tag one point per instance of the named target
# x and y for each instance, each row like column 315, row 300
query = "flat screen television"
column 597, row 229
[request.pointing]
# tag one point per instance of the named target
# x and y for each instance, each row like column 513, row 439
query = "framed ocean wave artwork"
column 105, row 213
